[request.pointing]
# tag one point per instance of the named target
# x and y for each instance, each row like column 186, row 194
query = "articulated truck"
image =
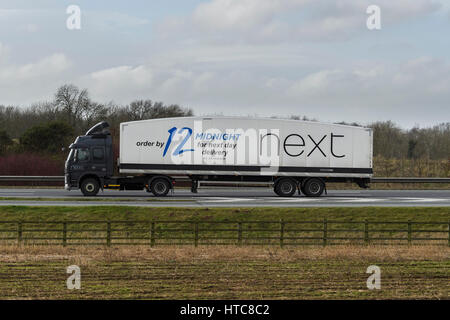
column 292, row 156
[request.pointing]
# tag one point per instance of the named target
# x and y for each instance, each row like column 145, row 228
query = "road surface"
column 228, row 198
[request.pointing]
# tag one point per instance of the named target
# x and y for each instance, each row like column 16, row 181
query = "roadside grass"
column 69, row 213
column 225, row 272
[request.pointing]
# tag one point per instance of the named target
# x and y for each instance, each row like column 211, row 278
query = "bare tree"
column 73, row 102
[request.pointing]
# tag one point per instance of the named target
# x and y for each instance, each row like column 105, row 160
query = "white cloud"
column 31, row 27
column 242, row 14
column 362, row 92
column 6, row 13
column 268, row 21
column 43, row 68
column 126, row 80
column 31, row 81
column 108, row 21
column 4, row 53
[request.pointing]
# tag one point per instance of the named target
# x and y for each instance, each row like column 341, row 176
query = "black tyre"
column 160, row 187
column 276, row 190
column 90, row 187
column 302, row 189
column 313, row 187
column 285, row 187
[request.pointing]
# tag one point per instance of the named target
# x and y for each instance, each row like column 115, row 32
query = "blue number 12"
column 179, row 149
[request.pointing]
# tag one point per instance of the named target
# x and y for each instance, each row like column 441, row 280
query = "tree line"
column 49, row 126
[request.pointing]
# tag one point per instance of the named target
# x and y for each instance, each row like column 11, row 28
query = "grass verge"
column 225, row 272
column 87, row 213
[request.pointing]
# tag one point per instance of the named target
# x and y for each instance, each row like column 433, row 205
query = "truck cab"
column 90, row 161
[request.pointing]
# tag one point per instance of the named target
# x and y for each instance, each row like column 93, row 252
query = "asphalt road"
column 229, row 198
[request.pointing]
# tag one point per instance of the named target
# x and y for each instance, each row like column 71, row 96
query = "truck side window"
column 82, row 155
column 98, row 154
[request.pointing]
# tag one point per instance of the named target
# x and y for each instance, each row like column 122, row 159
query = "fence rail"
column 281, row 233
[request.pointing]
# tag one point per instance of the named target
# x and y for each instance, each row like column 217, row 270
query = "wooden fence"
column 282, row 233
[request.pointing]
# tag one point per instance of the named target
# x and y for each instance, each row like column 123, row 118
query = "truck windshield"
column 81, row 155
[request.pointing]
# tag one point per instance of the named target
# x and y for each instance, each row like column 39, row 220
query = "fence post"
column 366, row 232
column 239, row 233
column 196, row 234
column 64, row 234
column 152, row 235
column 325, row 231
column 409, row 232
column 108, row 233
column 19, row 232
column 282, row 224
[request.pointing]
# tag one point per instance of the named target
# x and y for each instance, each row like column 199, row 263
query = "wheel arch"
column 297, row 180
column 92, row 176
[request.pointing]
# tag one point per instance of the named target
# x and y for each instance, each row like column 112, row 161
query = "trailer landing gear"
column 194, row 186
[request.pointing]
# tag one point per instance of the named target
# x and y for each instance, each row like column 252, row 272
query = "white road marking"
column 16, row 191
column 424, row 200
column 295, row 200
column 218, row 200
column 357, row 200
column 11, row 194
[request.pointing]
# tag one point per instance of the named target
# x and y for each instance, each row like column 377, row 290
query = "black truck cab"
column 90, row 160
column 90, row 167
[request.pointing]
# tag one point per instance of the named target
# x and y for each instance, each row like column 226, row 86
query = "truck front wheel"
column 285, row 188
column 90, row 187
column 160, row 187
column 313, row 187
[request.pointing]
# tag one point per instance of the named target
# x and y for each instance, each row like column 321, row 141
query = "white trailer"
column 291, row 154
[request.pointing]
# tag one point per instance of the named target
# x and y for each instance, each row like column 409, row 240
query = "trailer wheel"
column 276, row 190
column 302, row 189
column 90, row 187
column 313, row 187
column 285, row 188
column 160, row 187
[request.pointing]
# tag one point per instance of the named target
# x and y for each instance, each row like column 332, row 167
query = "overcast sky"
column 236, row 57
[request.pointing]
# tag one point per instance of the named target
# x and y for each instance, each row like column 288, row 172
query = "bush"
column 51, row 137
column 5, row 141
column 29, row 164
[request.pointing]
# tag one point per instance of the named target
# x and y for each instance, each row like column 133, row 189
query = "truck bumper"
column 67, row 185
